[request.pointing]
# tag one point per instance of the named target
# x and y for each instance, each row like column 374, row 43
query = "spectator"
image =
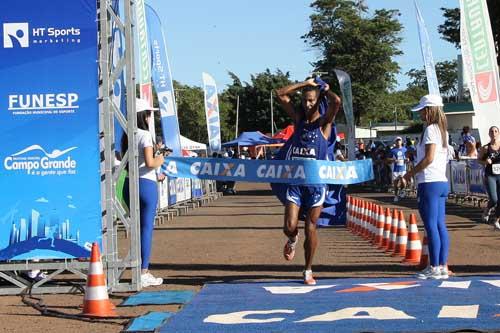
column 490, row 158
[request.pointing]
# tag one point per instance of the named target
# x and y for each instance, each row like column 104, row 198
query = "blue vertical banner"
column 425, row 47
column 212, row 112
column 49, row 120
column 162, row 81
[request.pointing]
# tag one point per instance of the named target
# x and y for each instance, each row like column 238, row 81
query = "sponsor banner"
column 458, row 177
column 271, row 171
column 172, row 191
column 162, row 80
column 183, row 189
column 345, row 89
column 476, row 181
column 212, row 112
column 480, row 66
column 196, row 188
column 425, row 47
column 146, row 91
column 163, row 194
column 49, row 117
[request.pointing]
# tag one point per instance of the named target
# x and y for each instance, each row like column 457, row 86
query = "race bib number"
column 495, row 168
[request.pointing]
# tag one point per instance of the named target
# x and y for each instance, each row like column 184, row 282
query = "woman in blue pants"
column 148, row 192
column 430, row 173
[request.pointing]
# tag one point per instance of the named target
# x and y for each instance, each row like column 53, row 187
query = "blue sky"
column 248, row 36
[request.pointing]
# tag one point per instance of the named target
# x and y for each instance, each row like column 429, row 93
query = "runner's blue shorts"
column 306, row 196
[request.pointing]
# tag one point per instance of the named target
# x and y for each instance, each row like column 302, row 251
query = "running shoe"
column 308, row 278
column 496, row 225
column 396, row 198
column 486, row 215
column 148, row 280
column 430, row 273
column 444, row 272
column 289, row 249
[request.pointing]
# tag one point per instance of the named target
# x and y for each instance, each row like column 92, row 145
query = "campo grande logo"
column 15, row 35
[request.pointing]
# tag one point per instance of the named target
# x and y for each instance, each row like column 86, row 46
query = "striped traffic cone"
column 414, row 247
column 394, row 231
column 424, row 258
column 387, row 229
column 373, row 229
column 402, row 236
column 379, row 236
column 96, row 302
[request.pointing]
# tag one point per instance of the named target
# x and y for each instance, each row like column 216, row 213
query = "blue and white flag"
column 162, row 81
column 212, row 112
column 425, row 47
column 49, row 129
column 271, row 171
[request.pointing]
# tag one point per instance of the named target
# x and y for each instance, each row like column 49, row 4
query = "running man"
column 310, row 142
column 398, row 158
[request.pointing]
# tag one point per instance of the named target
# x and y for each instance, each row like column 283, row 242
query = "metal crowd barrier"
column 466, row 178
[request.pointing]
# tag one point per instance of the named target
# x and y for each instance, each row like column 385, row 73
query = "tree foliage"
column 255, row 101
column 450, row 29
column 364, row 46
column 447, row 74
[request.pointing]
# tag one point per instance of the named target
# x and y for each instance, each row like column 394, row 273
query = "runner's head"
column 398, row 141
column 310, row 100
column 494, row 133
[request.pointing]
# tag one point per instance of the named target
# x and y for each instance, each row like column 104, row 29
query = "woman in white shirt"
column 432, row 192
column 148, row 192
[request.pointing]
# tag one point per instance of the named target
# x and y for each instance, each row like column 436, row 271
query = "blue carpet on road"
column 160, row 297
column 149, row 322
column 344, row 305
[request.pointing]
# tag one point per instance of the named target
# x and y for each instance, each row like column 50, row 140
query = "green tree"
column 362, row 45
column 450, row 29
column 446, row 72
column 255, row 101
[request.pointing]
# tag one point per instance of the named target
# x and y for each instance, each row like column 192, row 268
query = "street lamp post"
column 395, row 119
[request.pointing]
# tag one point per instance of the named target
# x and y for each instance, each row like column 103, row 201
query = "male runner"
column 309, row 141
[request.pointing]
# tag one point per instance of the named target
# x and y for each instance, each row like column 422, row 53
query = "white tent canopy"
column 189, row 144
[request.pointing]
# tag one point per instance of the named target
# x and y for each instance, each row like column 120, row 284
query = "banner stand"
column 112, row 210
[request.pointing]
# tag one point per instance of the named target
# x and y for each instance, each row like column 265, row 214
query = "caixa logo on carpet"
column 22, row 35
column 34, row 160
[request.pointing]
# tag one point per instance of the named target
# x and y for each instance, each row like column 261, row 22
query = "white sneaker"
column 444, row 272
column 430, row 273
column 497, row 225
column 486, row 215
column 396, row 198
column 148, row 280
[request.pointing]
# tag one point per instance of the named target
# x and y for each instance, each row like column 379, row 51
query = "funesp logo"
column 15, row 35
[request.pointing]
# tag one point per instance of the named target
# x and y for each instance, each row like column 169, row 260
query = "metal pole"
column 272, row 117
column 237, row 115
column 370, row 129
column 395, row 119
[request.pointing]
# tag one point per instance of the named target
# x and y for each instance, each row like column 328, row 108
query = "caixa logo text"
column 21, row 35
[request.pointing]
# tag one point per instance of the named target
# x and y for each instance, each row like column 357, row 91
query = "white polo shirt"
column 436, row 171
column 144, row 139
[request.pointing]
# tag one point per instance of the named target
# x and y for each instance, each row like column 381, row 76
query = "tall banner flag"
column 49, row 120
column 480, row 66
column 425, row 47
column 212, row 112
column 346, row 90
column 162, row 80
column 146, row 91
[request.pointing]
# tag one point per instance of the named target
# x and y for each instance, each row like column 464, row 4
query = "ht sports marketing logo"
column 36, row 161
column 20, row 35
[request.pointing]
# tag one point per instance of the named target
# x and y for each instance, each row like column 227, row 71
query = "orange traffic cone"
column 379, row 236
column 373, row 225
column 424, row 258
column 402, row 236
column 387, row 229
column 96, row 302
column 414, row 247
column 394, row 231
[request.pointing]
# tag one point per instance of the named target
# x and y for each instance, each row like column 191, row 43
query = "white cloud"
column 42, row 199
column 72, row 206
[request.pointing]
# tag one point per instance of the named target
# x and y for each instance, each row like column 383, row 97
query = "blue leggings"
column 432, row 208
column 148, row 198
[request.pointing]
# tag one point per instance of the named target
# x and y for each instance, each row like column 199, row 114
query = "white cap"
column 398, row 138
column 428, row 100
column 143, row 105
